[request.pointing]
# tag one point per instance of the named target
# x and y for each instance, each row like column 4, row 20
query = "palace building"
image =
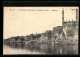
column 70, row 28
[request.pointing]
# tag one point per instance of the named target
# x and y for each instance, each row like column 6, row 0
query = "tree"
column 32, row 36
column 38, row 35
column 70, row 33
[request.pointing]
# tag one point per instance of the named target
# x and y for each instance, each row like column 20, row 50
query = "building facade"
column 70, row 28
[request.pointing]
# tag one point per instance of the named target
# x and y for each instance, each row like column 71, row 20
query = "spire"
column 62, row 16
column 76, row 16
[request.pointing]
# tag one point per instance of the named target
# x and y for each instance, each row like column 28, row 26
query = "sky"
column 22, row 21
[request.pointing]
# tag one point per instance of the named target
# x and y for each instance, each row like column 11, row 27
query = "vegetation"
column 46, row 37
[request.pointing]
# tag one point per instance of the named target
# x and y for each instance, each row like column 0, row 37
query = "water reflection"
column 45, row 48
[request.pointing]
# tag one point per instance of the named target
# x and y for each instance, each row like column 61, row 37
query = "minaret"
column 62, row 16
column 77, row 16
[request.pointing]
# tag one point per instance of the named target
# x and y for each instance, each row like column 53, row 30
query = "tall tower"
column 62, row 17
column 77, row 16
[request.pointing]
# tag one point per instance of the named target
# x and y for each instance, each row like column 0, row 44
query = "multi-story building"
column 70, row 28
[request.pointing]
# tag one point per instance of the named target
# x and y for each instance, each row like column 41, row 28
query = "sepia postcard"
column 40, row 30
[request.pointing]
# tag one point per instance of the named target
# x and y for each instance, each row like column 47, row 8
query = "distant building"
column 69, row 29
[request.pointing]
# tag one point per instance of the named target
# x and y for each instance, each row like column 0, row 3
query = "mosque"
column 70, row 28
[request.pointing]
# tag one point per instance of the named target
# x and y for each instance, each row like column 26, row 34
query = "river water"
column 36, row 48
